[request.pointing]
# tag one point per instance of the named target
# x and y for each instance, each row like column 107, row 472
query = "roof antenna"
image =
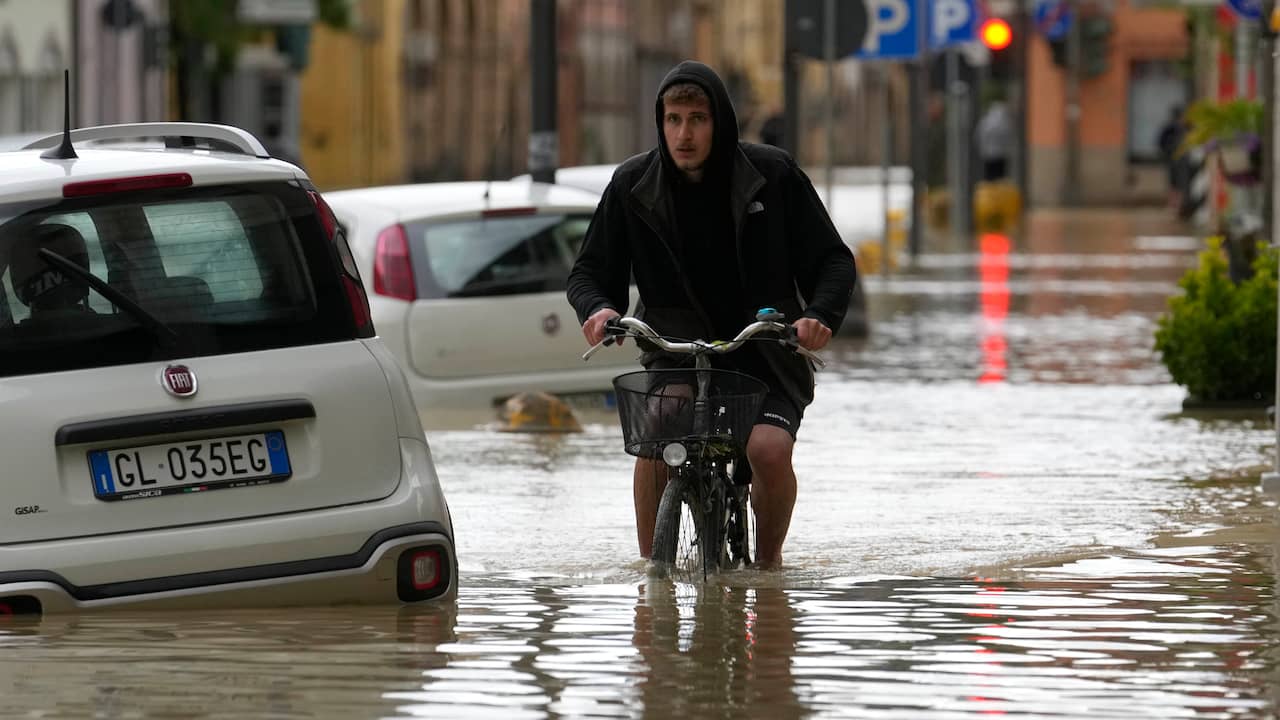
column 64, row 151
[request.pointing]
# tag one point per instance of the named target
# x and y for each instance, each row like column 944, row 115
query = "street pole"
column 829, row 54
column 919, row 124
column 544, row 140
column 1022, row 63
column 1271, row 480
column 1072, row 190
column 886, row 157
column 1267, row 93
column 957, row 148
column 791, row 103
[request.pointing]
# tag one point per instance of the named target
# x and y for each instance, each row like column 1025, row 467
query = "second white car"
column 468, row 288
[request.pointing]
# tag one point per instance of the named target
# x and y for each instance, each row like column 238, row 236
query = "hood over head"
column 725, row 134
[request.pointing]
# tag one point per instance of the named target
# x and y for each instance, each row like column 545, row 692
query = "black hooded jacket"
column 787, row 254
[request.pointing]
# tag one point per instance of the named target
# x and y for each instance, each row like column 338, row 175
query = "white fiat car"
column 194, row 407
column 468, row 288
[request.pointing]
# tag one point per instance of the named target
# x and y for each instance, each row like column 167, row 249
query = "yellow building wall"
column 352, row 132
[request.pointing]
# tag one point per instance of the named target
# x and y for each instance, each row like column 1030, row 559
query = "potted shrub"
column 1231, row 129
column 1218, row 339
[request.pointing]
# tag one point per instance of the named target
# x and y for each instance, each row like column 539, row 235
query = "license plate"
column 189, row 466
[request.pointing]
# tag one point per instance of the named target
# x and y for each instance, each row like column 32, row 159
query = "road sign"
column 1247, row 9
column 891, row 27
column 805, row 27
column 1053, row 18
column 953, row 22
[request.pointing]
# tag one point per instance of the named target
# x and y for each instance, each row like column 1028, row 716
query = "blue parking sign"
column 952, row 22
column 891, row 34
column 891, row 27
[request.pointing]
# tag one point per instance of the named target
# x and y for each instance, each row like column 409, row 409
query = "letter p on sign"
column 885, row 17
column 948, row 16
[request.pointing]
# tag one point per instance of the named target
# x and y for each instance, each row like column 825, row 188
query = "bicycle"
column 697, row 420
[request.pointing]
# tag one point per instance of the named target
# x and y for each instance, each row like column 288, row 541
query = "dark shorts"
column 777, row 409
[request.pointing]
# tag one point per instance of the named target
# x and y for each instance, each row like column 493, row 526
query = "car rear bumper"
column 366, row 577
column 341, row 555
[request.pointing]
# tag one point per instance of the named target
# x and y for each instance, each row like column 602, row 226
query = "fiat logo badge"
column 179, row 380
column 551, row 324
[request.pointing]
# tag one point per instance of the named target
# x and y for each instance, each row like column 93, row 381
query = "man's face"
column 687, row 127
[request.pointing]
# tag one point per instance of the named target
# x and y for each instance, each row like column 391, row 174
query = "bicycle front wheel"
column 689, row 535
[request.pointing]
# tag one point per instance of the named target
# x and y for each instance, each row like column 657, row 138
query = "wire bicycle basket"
column 657, row 407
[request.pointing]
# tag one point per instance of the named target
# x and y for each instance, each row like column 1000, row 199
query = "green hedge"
column 1219, row 338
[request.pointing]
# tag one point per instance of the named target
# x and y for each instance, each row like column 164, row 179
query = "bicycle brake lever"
column 792, row 340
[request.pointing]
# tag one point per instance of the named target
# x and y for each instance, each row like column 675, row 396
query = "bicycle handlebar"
column 623, row 326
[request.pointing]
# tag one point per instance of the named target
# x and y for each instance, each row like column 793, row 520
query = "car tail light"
column 350, row 275
column 422, row 573
column 327, row 220
column 128, row 184
column 392, row 265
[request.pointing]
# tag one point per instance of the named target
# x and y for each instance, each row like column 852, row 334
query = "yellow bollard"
column 996, row 206
column 537, row 412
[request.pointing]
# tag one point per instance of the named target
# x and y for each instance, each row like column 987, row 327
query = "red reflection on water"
column 993, row 298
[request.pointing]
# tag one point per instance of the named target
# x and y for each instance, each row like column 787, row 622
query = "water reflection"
column 993, row 268
column 1172, row 632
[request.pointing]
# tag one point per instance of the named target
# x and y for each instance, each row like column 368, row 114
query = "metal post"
column 1022, row 165
column 919, row 132
column 957, row 148
column 1267, row 93
column 1244, row 200
column 829, row 54
column 1071, row 190
column 886, row 158
column 544, row 139
column 791, row 103
column 1271, row 480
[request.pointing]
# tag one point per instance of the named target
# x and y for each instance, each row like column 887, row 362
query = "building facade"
column 1121, row 111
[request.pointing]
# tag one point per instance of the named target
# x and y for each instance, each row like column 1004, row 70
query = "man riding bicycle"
column 711, row 229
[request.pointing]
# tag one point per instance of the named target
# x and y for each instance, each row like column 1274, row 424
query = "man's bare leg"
column 647, row 484
column 773, row 491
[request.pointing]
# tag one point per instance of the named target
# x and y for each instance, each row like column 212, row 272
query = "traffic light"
column 997, row 37
column 1095, row 44
column 996, row 34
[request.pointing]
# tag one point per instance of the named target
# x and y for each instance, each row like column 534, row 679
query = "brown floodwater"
column 1003, row 510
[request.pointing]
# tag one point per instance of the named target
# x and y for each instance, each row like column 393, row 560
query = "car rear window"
column 496, row 255
column 227, row 269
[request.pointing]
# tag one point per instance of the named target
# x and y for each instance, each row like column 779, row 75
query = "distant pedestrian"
column 1170, row 139
column 994, row 138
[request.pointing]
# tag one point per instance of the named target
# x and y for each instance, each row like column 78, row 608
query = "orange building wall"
column 1138, row 34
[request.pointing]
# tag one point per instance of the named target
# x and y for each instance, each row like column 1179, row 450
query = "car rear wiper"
column 124, row 302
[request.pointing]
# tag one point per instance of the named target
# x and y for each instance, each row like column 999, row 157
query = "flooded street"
column 1002, row 510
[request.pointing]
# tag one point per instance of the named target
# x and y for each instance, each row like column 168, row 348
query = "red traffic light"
column 996, row 34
